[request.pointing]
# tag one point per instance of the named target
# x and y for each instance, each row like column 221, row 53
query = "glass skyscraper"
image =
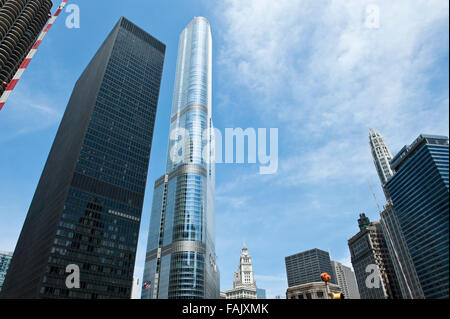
column 398, row 250
column 403, row 265
column 181, row 261
column 86, row 210
column 5, row 259
column 420, row 196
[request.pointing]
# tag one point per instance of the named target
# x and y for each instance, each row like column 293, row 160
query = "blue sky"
column 312, row 69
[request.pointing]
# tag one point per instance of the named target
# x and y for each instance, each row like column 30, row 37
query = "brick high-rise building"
column 370, row 257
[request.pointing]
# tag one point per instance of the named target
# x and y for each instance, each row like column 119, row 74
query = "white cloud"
column 234, row 202
column 346, row 261
column 315, row 71
column 25, row 113
column 337, row 160
column 319, row 72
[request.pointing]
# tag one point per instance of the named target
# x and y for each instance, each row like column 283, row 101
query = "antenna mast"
column 375, row 197
column 391, row 241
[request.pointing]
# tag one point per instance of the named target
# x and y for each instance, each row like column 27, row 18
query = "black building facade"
column 21, row 22
column 420, row 194
column 306, row 267
column 87, row 207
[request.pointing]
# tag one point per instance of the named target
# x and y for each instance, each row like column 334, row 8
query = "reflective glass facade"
column 401, row 259
column 5, row 259
column 180, row 261
column 87, row 207
column 420, row 195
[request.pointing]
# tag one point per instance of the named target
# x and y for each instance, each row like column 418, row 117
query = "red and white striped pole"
column 11, row 85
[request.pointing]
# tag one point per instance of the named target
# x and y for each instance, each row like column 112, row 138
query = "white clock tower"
column 244, row 285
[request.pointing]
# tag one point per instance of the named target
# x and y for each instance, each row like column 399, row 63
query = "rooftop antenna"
column 374, row 196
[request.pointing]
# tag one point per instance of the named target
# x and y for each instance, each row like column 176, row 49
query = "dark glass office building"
column 5, row 259
column 21, row 22
column 405, row 271
column 306, row 267
column 87, row 207
column 420, row 195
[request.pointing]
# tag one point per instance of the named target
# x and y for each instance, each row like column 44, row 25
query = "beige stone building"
column 313, row 290
column 244, row 285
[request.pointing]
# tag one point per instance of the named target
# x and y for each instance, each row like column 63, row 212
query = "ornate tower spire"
column 381, row 156
column 245, row 275
column 244, row 285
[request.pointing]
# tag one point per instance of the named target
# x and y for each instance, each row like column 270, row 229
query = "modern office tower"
column 420, row 196
column 261, row 293
column 87, row 207
column 5, row 259
column 181, row 260
column 306, row 267
column 372, row 263
column 244, row 285
column 21, row 22
column 313, row 290
column 398, row 250
column 346, row 280
column 381, row 156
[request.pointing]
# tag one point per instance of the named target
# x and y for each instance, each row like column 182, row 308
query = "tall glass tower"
column 420, row 196
column 181, row 260
column 5, row 260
